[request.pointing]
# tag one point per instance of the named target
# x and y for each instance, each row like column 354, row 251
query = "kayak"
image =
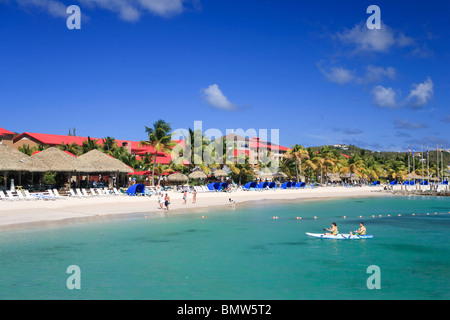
column 340, row 236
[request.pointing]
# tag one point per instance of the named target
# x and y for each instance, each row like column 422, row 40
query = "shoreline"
column 20, row 215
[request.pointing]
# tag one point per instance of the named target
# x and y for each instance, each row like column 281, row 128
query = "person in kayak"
column 361, row 231
column 333, row 230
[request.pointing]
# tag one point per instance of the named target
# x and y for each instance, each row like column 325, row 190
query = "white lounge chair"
column 56, row 193
column 21, row 196
column 73, row 194
column 85, row 193
column 11, row 197
column 3, row 196
column 29, row 196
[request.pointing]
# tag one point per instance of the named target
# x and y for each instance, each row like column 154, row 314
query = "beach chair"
column 51, row 194
column 21, row 196
column 56, row 193
column 117, row 192
column 11, row 197
column 85, row 193
column 3, row 196
column 100, row 192
column 93, row 193
column 73, row 194
column 29, row 196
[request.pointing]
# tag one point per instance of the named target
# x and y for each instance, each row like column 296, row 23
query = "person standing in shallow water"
column 167, row 201
column 194, row 196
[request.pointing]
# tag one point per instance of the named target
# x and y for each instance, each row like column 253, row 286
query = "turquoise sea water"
column 239, row 254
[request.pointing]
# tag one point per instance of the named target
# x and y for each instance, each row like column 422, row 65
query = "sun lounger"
column 73, row 194
column 11, row 197
column 4, row 197
column 29, row 196
column 57, row 195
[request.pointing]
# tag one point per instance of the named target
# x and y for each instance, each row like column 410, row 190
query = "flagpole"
column 428, row 168
column 422, row 168
column 442, row 163
column 437, row 164
column 409, row 165
column 414, row 167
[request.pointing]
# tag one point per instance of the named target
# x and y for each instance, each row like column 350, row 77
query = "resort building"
column 51, row 140
column 255, row 147
column 6, row 137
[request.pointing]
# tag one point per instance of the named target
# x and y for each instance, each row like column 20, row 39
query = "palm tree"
column 72, row 148
column 355, row 165
column 25, row 148
column 242, row 168
column 160, row 138
column 297, row 153
column 90, row 144
column 109, row 144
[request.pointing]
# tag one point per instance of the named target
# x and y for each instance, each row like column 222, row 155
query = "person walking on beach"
column 167, row 201
column 161, row 201
column 184, row 196
column 361, row 231
column 333, row 230
column 194, row 196
column 233, row 202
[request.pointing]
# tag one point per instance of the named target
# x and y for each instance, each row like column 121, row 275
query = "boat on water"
column 340, row 236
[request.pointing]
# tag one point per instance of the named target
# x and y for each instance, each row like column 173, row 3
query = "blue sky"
column 311, row 69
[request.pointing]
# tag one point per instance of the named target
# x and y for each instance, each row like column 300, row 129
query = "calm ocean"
column 239, row 254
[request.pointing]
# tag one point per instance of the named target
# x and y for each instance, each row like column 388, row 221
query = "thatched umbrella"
column 334, row 177
column 16, row 161
column 280, row 175
column 97, row 161
column 56, row 160
column 220, row 173
column 198, row 175
column 178, row 177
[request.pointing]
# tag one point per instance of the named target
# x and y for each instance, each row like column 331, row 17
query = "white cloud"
column 376, row 40
column 54, row 8
column 128, row 10
column 215, row 98
column 338, row 75
column 421, row 94
column 376, row 74
column 384, row 97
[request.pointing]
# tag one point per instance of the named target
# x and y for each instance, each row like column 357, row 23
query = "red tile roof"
column 256, row 143
column 5, row 132
column 54, row 140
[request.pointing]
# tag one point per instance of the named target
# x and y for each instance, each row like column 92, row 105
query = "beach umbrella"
column 198, row 175
column 97, row 161
column 280, row 175
column 14, row 160
column 56, row 160
column 178, row 177
column 335, row 177
column 220, row 173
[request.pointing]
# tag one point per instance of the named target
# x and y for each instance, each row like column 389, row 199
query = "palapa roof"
column 14, row 160
column 97, row 161
column 178, row 177
column 56, row 160
column 198, row 175
column 220, row 173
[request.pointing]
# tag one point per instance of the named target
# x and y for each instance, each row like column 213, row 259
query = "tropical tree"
column 109, row 144
column 25, row 148
column 160, row 138
column 297, row 153
column 355, row 165
column 90, row 144
column 72, row 148
column 242, row 169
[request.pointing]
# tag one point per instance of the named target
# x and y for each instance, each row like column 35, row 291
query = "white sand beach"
column 24, row 214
